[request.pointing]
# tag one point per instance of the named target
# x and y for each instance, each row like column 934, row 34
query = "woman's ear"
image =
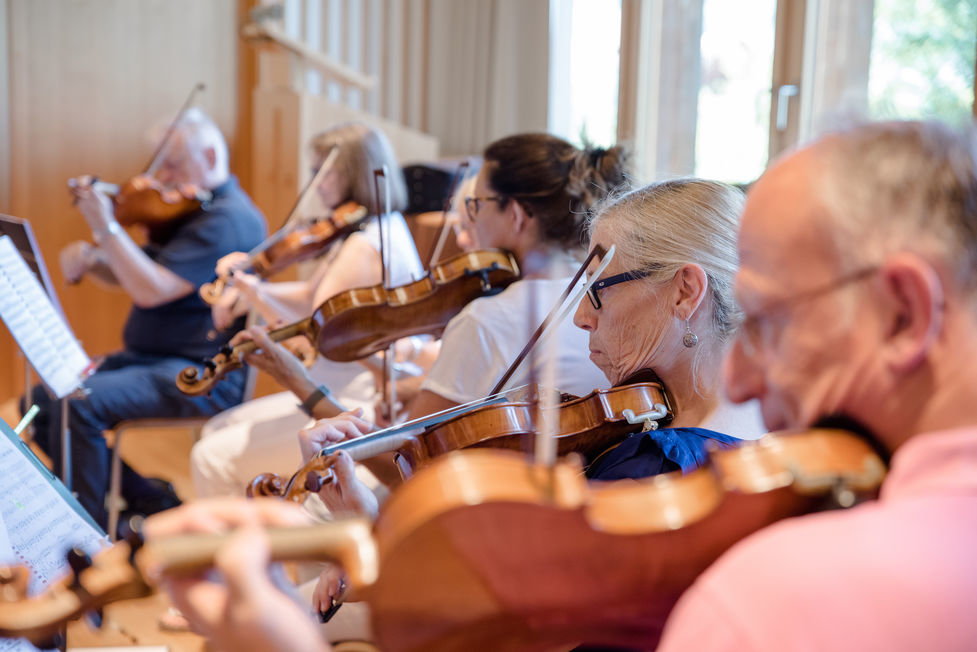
column 690, row 285
column 916, row 295
column 520, row 216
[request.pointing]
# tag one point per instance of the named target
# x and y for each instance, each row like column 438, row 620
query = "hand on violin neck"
column 275, row 360
column 94, row 205
column 324, row 432
column 347, row 495
column 228, row 309
column 246, row 604
column 231, row 262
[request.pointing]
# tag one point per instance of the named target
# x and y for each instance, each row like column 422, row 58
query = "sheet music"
column 42, row 519
column 8, row 558
column 40, row 331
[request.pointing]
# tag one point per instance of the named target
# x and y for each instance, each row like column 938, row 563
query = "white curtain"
column 488, row 71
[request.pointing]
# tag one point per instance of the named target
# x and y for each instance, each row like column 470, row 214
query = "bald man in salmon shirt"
column 858, row 282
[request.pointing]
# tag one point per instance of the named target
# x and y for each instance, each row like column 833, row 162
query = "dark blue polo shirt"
column 644, row 454
column 229, row 222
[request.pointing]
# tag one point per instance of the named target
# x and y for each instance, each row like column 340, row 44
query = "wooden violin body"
column 588, row 426
column 362, row 321
column 285, row 249
column 481, row 550
column 144, row 200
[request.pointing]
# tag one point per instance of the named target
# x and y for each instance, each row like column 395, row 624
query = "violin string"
column 428, row 419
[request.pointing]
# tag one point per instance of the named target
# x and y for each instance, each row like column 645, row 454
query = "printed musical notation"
column 40, row 331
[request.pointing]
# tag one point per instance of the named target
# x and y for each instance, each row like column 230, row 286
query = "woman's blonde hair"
column 362, row 150
column 663, row 226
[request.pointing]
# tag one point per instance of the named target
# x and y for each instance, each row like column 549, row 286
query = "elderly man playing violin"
column 858, row 264
column 169, row 323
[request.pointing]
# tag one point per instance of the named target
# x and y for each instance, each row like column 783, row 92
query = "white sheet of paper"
column 7, row 558
column 40, row 331
column 40, row 522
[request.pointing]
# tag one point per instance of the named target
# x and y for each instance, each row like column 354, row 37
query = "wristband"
column 313, row 399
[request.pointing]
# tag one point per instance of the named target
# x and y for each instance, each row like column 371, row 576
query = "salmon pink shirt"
column 899, row 573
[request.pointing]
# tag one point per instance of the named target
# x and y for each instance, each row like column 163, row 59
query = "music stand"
column 22, row 237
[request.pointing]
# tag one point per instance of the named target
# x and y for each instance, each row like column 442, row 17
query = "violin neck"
column 346, row 542
column 111, row 189
column 304, row 327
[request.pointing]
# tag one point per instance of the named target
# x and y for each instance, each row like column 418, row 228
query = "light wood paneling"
column 285, row 121
column 87, row 79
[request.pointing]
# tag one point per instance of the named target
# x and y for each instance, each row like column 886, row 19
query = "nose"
column 585, row 316
column 742, row 375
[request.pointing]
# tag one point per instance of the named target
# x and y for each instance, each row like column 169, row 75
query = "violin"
column 130, row 570
column 144, row 199
column 292, row 246
column 588, row 427
column 359, row 322
column 485, row 550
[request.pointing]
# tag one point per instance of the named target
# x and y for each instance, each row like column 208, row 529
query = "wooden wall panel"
column 87, row 78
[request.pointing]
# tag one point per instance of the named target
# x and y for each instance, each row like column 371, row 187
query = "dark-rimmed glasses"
column 594, row 292
column 474, row 204
column 748, row 332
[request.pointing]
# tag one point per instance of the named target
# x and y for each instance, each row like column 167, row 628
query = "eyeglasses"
column 749, row 332
column 474, row 204
column 594, row 292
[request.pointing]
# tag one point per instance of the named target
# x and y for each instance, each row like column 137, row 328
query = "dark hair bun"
column 556, row 182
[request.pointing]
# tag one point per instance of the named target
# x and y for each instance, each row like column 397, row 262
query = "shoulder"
column 230, row 216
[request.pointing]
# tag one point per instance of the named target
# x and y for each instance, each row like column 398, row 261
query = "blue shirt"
column 644, row 454
column 229, row 222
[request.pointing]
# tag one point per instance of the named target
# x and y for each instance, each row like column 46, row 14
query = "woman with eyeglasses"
column 664, row 309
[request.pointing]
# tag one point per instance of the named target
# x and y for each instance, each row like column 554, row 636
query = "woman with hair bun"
column 531, row 197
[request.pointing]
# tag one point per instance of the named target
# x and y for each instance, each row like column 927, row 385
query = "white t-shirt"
column 352, row 383
column 486, row 336
column 405, row 263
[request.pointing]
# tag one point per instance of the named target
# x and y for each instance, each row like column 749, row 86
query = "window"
column 922, row 60
column 737, row 49
column 585, row 38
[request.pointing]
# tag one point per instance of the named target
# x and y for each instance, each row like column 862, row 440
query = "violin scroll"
column 269, row 485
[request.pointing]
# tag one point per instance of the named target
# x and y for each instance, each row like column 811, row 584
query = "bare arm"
column 356, row 264
column 148, row 283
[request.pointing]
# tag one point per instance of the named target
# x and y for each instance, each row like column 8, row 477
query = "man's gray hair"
column 903, row 186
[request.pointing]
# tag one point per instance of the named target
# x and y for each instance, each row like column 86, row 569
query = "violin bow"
column 299, row 203
column 171, row 129
column 561, row 309
column 383, row 228
column 456, row 180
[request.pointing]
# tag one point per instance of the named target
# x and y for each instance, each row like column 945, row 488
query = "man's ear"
column 690, row 285
column 210, row 155
column 917, row 299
